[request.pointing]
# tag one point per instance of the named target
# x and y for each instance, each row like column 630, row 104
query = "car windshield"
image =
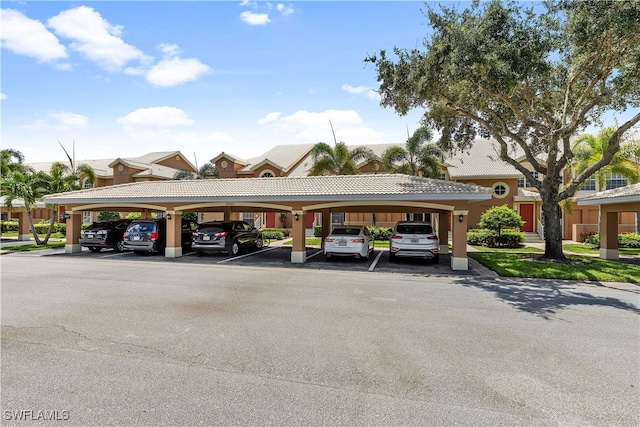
column 212, row 228
column 346, row 231
column 415, row 228
column 98, row 226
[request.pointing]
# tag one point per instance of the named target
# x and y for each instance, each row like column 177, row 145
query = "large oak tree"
column 530, row 77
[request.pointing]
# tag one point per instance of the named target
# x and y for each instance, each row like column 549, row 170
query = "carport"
column 612, row 203
column 298, row 195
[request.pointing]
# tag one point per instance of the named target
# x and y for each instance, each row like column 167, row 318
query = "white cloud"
column 284, row 10
column 3, row 96
column 362, row 90
column 95, row 38
column 271, row 117
column 176, row 71
column 252, row 18
column 161, row 117
column 29, row 37
column 314, row 126
column 60, row 121
column 169, row 50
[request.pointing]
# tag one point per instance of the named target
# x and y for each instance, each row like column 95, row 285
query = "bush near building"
column 625, row 240
column 490, row 238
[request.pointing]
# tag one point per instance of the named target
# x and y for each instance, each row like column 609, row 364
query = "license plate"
column 342, row 243
column 136, row 238
column 90, row 236
column 415, row 240
column 206, row 237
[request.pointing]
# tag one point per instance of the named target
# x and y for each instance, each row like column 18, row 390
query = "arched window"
column 267, row 174
column 87, row 184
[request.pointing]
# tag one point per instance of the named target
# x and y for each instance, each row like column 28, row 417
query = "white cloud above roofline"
column 29, row 37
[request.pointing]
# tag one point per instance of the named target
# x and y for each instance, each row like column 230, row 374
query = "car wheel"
column 94, row 249
column 234, row 248
column 392, row 257
column 119, row 246
column 259, row 243
column 366, row 256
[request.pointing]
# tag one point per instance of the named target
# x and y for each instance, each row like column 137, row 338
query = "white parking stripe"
column 317, row 253
column 113, row 254
column 375, row 261
column 245, row 255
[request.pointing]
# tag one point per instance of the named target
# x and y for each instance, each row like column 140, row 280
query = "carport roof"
column 628, row 194
column 307, row 188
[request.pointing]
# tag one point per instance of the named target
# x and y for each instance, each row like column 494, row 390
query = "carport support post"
column 23, row 225
column 459, row 260
column 609, row 235
column 299, row 250
column 443, row 232
column 174, row 235
column 74, row 225
column 326, row 225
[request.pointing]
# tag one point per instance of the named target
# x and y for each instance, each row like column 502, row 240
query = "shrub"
column 585, row 235
column 629, row 240
column 380, row 233
column 61, row 228
column 317, row 231
column 8, row 226
column 491, row 239
column 134, row 215
column 477, row 236
column 274, row 233
column 625, row 240
column 500, row 217
column 107, row 215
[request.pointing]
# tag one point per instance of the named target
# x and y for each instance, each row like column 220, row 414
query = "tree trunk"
column 552, row 230
column 33, row 229
column 50, row 230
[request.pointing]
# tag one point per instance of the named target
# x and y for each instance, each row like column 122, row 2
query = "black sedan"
column 226, row 236
column 104, row 234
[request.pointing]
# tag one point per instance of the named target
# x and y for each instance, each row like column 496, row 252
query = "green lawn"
column 524, row 249
column 579, row 267
column 15, row 234
column 33, row 247
column 581, row 248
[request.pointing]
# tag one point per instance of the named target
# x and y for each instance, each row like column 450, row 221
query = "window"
column 616, row 180
column 420, row 217
column 588, row 185
column 523, row 182
column 337, row 218
column 87, row 184
column 248, row 217
column 500, row 190
column 267, row 174
column 86, row 216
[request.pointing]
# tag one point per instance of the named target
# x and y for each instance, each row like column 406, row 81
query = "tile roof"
column 18, row 203
column 628, row 194
column 282, row 156
column 311, row 188
column 100, row 166
column 481, row 160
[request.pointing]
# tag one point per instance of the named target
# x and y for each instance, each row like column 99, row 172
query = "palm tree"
column 11, row 160
column 588, row 149
column 26, row 186
column 416, row 158
column 338, row 160
column 205, row 171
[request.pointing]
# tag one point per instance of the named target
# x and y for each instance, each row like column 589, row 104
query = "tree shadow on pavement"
column 544, row 298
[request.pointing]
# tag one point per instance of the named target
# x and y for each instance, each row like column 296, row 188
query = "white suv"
column 414, row 239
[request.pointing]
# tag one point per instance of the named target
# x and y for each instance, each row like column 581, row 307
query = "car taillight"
column 154, row 235
column 357, row 240
column 221, row 234
column 194, row 234
column 396, row 236
column 432, row 238
column 124, row 236
column 328, row 239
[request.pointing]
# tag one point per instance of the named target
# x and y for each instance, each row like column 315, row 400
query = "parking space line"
column 375, row 261
column 113, row 255
column 317, row 253
column 246, row 255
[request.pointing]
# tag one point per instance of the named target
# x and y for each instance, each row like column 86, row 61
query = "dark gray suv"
column 150, row 235
column 226, row 236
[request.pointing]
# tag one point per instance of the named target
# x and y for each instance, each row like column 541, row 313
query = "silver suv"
column 414, row 239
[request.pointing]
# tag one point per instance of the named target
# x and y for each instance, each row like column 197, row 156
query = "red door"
column 309, row 217
column 526, row 213
column 271, row 220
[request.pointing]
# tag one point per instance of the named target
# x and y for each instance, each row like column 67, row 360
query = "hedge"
column 378, row 233
column 490, row 238
column 275, row 233
column 625, row 240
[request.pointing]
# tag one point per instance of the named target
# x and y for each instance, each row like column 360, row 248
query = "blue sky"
column 125, row 78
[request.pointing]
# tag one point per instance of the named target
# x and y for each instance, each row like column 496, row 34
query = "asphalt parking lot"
column 280, row 256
